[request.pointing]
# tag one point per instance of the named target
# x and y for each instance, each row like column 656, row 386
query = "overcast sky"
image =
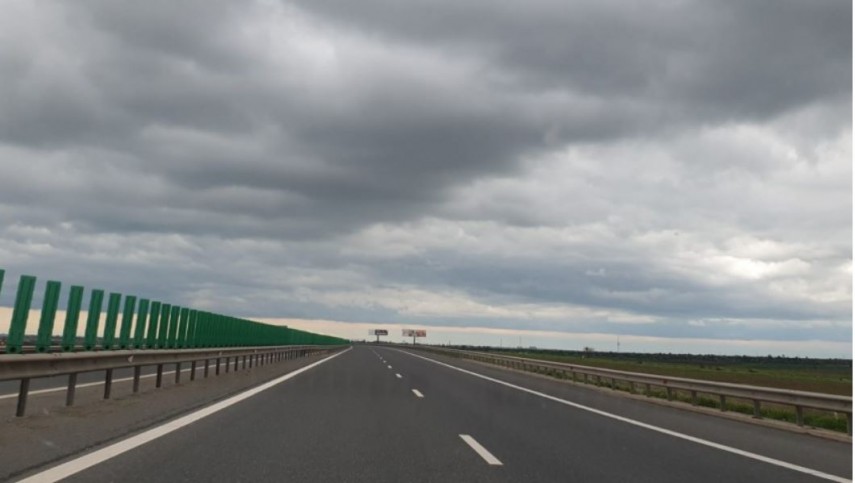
column 665, row 170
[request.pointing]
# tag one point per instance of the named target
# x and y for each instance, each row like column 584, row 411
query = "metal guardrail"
column 756, row 394
column 31, row 366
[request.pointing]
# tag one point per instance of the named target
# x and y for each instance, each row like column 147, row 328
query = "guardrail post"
column 137, row 372
column 193, row 370
column 694, row 398
column 236, row 363
column 159, row 378
column 96, row 302
column 228, row 363
column 108, row 383
column 849, row 424
column 46, row 320
column 206, row 368
column 23, row 392
column 757, row 414
column 70, row 390
column 217, row 372
column 723, row 402
column 669, row 393
column 177, row 372
column 799, row 416
column 23, row 302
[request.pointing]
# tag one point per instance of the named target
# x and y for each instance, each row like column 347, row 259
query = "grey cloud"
column 730, row 60
column 195, row 151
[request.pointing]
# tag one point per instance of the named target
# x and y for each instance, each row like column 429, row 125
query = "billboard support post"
column 378, row 333
column 414, row 333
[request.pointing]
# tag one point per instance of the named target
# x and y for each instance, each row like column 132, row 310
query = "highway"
column 379, row 414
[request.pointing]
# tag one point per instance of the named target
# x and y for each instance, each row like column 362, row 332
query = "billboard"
column 414, row 333
column 378, row 332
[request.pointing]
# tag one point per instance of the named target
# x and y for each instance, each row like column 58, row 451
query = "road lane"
column 350, row 419
column 565, row 429
column 353, row 420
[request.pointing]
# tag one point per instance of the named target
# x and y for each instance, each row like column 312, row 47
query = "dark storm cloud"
column 540, row 165
column 712, row 59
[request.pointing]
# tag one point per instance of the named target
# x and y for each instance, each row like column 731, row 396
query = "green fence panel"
column 72, row 317
column 153, row 322
column 183, row 323
column 46, row 321
column 197, row 327
column 157, row 325
column 163, row 326
column 96, row 303
column 190, row 337
column 20, row 314
column 206, row 327
column 172, row 334
column 127, row 321
column 201, row 333
column 222, row 329
column 139, row 329
column 114, row 302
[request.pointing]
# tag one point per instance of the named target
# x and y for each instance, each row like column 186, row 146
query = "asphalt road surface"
column 380, row 414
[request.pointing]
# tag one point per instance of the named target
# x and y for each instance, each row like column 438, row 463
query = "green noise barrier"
column 132, row 322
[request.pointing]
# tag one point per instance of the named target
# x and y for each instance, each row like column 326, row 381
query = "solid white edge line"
column 482, row 451
column 418, row 394
column 711, row 444
column 87, row 384
column 77, row 465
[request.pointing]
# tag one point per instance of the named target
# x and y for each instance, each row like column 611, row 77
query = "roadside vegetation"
column 830, row 376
